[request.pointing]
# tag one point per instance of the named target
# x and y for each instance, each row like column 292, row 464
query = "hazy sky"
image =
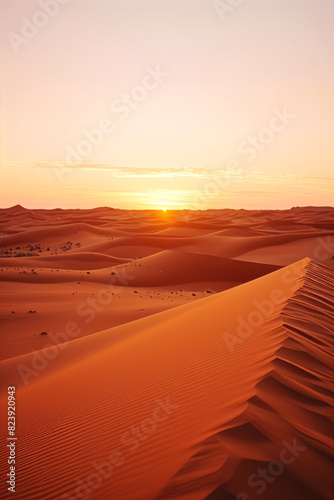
column 236, row 98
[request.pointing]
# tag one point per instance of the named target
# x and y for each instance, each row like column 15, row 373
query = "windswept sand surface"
column 186, row 356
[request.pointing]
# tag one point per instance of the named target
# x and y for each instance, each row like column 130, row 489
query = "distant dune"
column 183, row 356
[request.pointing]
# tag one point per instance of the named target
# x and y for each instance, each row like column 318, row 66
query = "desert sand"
column 169, row 355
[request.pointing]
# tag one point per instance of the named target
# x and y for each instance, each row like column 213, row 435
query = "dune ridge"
column 215, row 395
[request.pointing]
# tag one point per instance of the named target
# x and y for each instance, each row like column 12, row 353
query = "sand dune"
column 163, row 259
column 179, row 358
column 172, row 268
column 77, row 260
column 223, row 388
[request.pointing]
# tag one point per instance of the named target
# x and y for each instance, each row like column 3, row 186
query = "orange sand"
column 149, row 383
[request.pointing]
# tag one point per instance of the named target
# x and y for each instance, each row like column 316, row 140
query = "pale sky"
column 180, row 89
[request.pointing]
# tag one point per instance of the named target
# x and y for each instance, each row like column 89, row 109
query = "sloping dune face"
column 104, row 267
column 228, row 397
